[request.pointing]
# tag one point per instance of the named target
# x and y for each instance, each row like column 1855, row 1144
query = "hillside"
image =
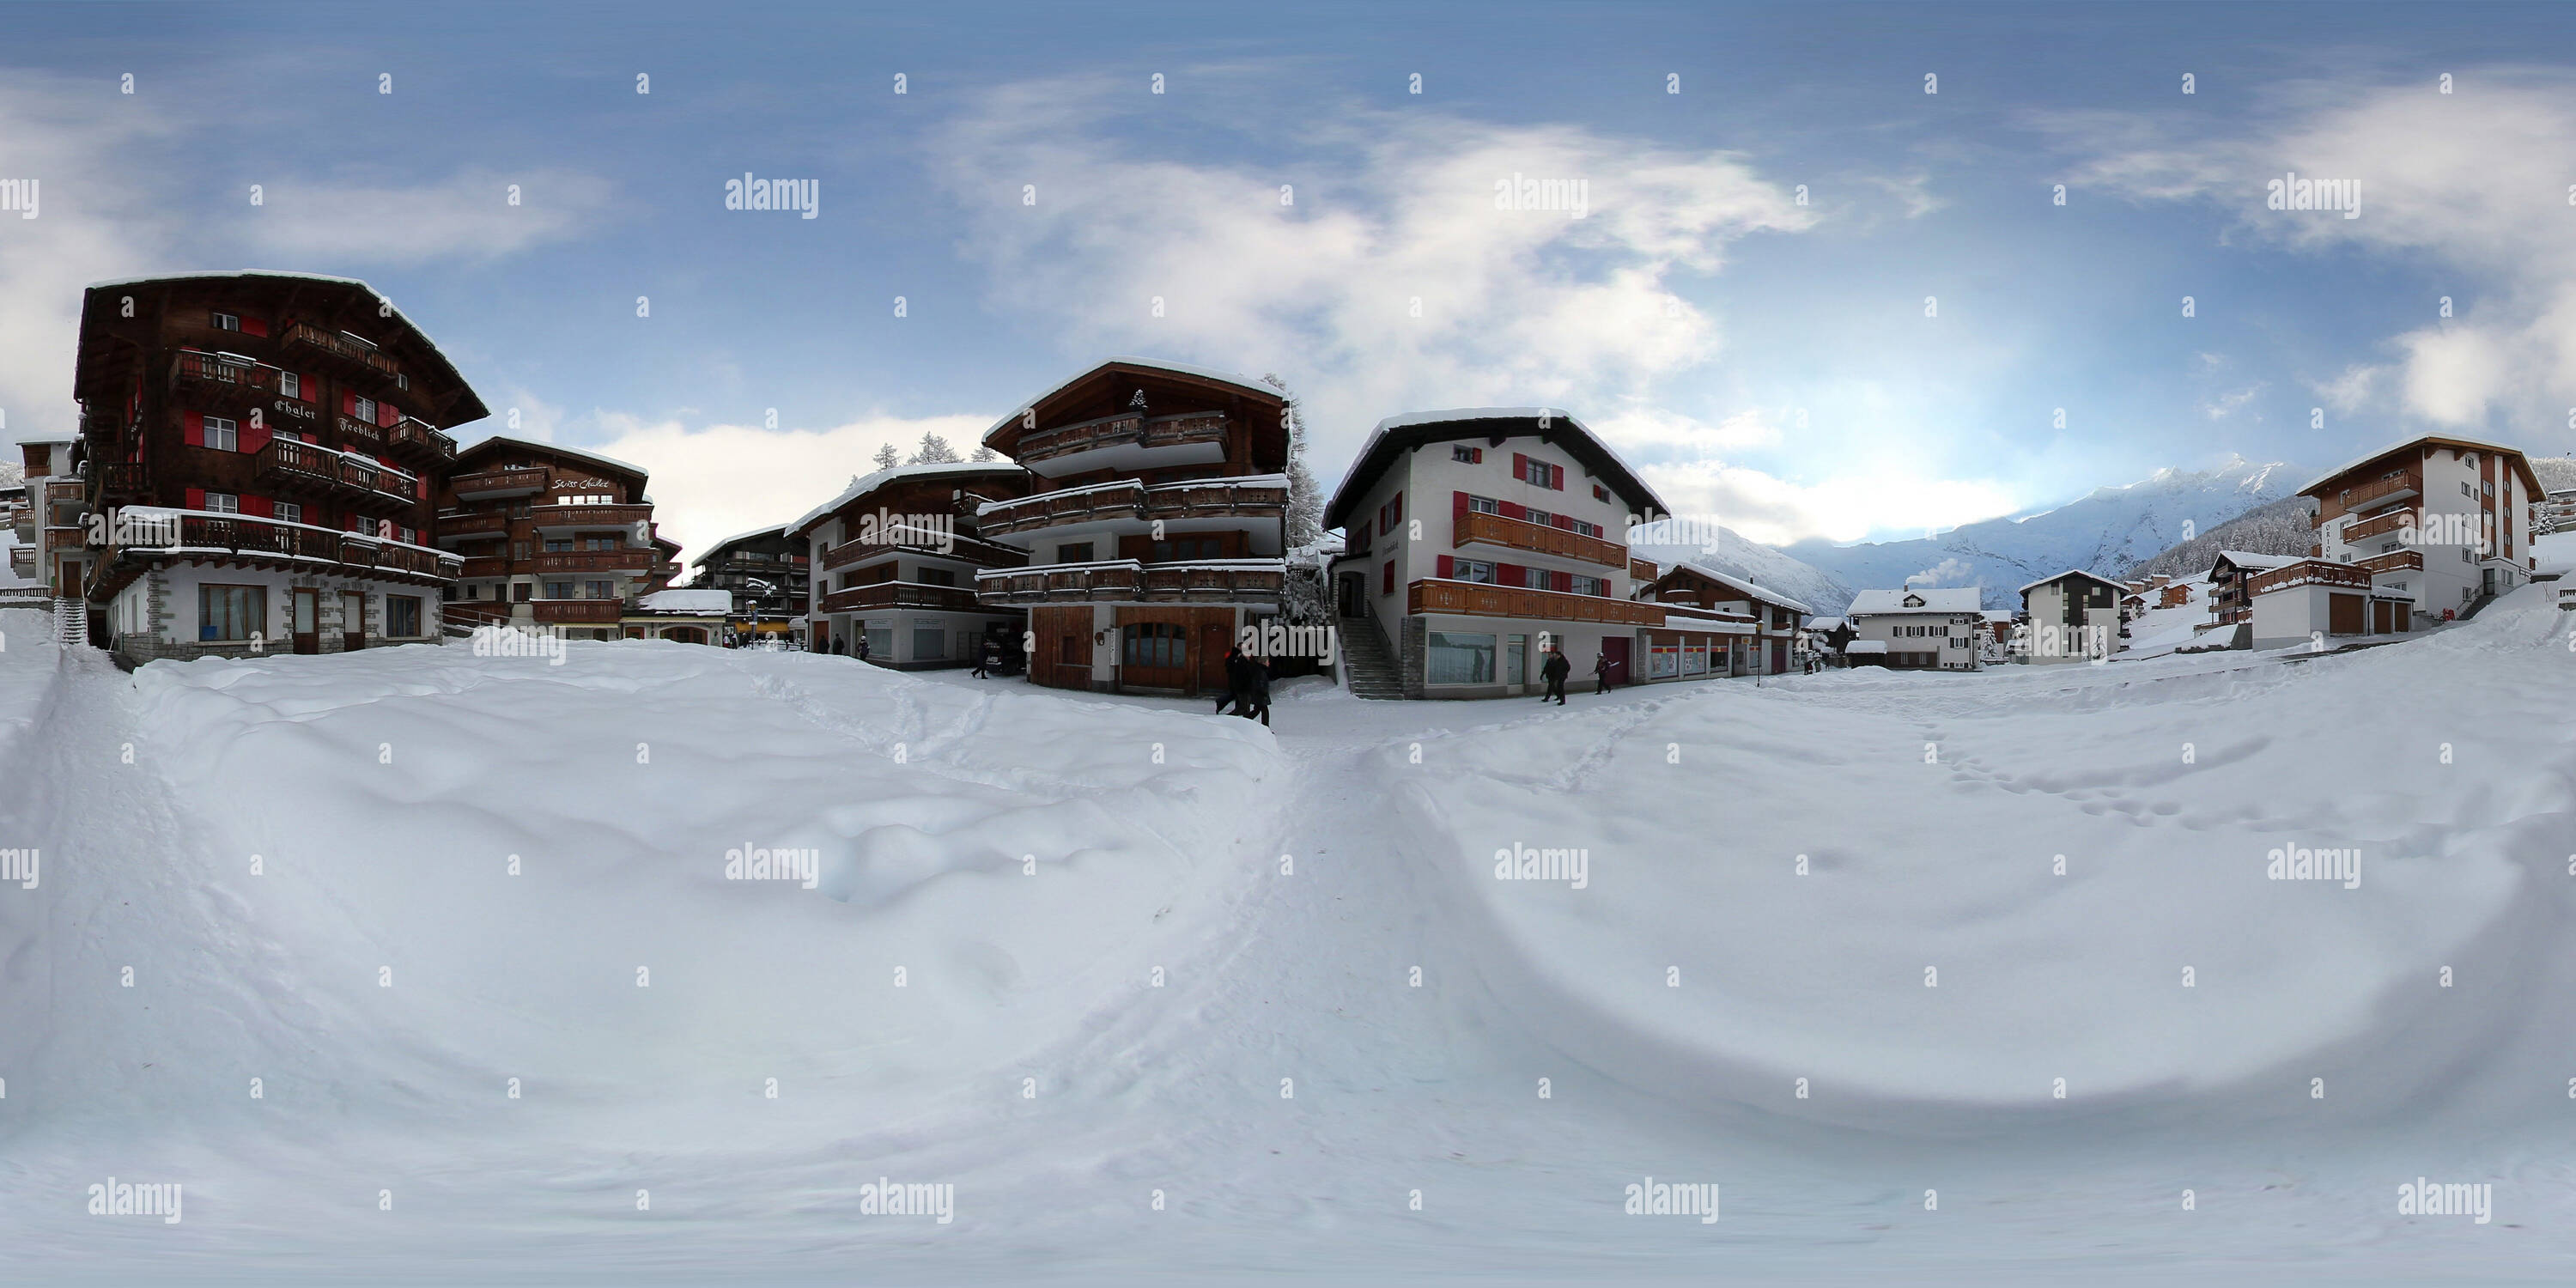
column 2283, row 527
column 1760, row 564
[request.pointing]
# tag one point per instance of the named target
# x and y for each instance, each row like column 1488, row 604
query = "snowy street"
column 353, row 936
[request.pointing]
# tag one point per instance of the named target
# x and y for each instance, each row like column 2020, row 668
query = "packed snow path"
column 1288, row 1088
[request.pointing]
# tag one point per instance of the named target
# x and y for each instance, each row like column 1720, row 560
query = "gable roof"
column 1398, row 434
column 1751, row 589
column 2248, row 561
column 773, row 530
column 1936, row 599
column 2513, row 454
column 2075, row 572
column 499, row 442
column 867, row 483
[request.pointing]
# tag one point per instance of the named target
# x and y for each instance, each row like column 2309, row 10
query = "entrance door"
column 1354, row 593
column 2343, row 614
column 1615, row 648
column 307, row 624
column 353, row 620
column 1153, row 655
column 1779, row 657
column 1210, row 671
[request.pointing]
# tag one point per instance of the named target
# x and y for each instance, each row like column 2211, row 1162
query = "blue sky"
column 1769, row 364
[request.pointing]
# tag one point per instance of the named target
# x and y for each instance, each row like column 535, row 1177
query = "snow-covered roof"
column 1866, row 646
column 1752, row 588
column 2247, row 559
column 531, row 444
column 867, row 483
column 1707, row 625
column 49, row 440
column 1936, row 599
column 772, row 530
column 2073, row 572
column 386, row 306
column 2419, row 441
column 1235, row 378
column 1999, row 614
column 1374, row 457
column 1825, row 624
column 688, row 601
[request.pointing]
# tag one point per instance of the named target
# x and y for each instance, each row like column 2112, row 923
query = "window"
column 1591, row 585
column 290, row 384
column 1538, row 473
column 1516, row 659
column 1587, row 529
column 223, row 503
column 929, row 640
column 599, row 590
column 1476, row 570
column 402, row 616
column 1458, row 659
column 1483, row 505
column 227, row 321
column 1390, row 516
column 597, row 543
column 1600, row 493
column 366, row 410
column 1154, row 644
column 1189, row 548
column 289, row 512
column 558, row 545
column 519, row 550
column 935, row 576
column 1465, row 455
column 1542, row 518
column 222, row 434
column 1073, row 552
column 558, row 590
column 231, row 612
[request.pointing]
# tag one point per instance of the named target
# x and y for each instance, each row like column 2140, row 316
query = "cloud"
column 1777, row 511
column 468, row 216
column 2473, row 183
column 2226, row 404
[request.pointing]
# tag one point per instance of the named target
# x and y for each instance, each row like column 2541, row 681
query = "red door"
column 1779, row 657
column 1615, row 649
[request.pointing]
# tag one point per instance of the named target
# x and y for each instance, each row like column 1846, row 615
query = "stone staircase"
column 71, row 623
column 1368, row 660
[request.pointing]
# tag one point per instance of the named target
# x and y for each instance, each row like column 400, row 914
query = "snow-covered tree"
column 934, row 450
column 1303, row 598
column 888, row 458
column 983, row 454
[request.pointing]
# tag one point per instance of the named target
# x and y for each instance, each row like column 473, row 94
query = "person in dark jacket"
column 1600, row 673
column 1234, row 682
column 863, row 646
column 1256, row 691
column 984, row 659
column 1554, row 670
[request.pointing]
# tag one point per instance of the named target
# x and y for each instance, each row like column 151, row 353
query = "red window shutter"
column 253, row 437
column 1520, row 466
column 420, row 487
column 1447, row 566
column 1512, row 510
column 192, row 428
column 1556, row 477
column 1457, row 506
column 1511, row 574
column 1475, row 456
column 1386, row 578
column 312, row 386
column 1565, row 521
column 259, row 506
column 1399, row 507
column 1564, row 581
column 254, row 326
column 348, row 402
column 386, row 415
column 196, row 498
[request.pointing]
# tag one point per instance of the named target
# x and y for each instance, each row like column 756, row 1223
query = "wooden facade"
column 895, row 558
column 549, row 536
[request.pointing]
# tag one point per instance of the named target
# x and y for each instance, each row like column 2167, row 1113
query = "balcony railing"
column 499, row 483
column 637, row 559
column 120, row 478
column 972, row 549
column 1640, row 571
column 490, row 523
column 2393, row 561
column 1521, row 534
column 901, row 594
column 340, row 349
column 1223, row 581
column 420, row 440
column 2380, row 526
column 289, row 464
column 1476, row 599
column 251, row 535
column 578, row 612
column 2310, row 572
column 477, row 566
column 1178, row 430
column 1260, row 497
column 211, row 375
column 588, row 516
column 2394, row 487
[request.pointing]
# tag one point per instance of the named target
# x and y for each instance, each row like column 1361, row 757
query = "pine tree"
column 1302, row 597
column 934, row 451
column 887, row 458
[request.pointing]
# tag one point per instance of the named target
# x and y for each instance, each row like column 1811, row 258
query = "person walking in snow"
column 1256, row 691
column 1554, row 670
column 863, row 646
column 1236, row 682
column 984, row 659
column 1600, row 673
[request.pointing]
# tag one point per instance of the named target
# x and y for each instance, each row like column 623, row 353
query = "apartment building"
column 2075, row 616
column 1476, row 539
column 1769, row 647
column 258, row 450
column 765, row 570
column 46, row 514
column 2440, row 524
column 2231, row 597
column 899, row 551
column 1155, row 528
column 549, row 536
column 1923, row 629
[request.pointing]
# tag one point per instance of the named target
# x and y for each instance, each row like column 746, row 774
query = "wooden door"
column 1779, row 657
column 2343, row 614
column 1209, row 666
column 1615, row 649
column 1153, row 655
column 353, row 620
column 306, row 625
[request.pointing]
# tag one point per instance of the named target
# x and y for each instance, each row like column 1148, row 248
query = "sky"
column 1821, row 270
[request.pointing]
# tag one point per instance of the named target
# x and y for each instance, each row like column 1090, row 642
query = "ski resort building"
column 1917, row 629
column 1768, row 645
column 2075, row 616
column 47, row 515
column 2231, row 600
column 1477, row 538
column 256, row 462
column 551, row 536
column 765, row 571
column 899, row 551
column 2442, row 524
column 1155, row 530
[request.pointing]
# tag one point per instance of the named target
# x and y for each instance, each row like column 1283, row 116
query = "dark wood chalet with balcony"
column 550, row 536
column 1154, row 531
column 258, row 451
column 765, row 571
column 897, row 555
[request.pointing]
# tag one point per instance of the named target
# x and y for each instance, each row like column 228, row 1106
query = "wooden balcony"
column 1261, row 498
column 299, row 545
column 2396, row 487
column 566, row 519
column 2393, row 561
column 217, row 379
column 341, row 353
column 418, row 440
column 491, row 483
column 478, row 566
column 1251, row 582
column 1641, row 571
column 1476, row 599
column 376, row 480
column 901, row 594
column 636, row 559
column 491, row 523
column 577, row 612
column 973, row 550
column 291, row 467
column 2309, row 572
column 2377, row 527
column 120, row 478
column 1521, row 534
column 1126, row 430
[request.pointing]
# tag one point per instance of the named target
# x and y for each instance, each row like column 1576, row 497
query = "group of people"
column 1247, row 686
column 1556, row 668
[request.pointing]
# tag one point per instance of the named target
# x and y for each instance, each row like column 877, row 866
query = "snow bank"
column 1695, row 958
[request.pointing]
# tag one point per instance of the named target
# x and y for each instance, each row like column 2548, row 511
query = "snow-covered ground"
column 1159, row 1016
